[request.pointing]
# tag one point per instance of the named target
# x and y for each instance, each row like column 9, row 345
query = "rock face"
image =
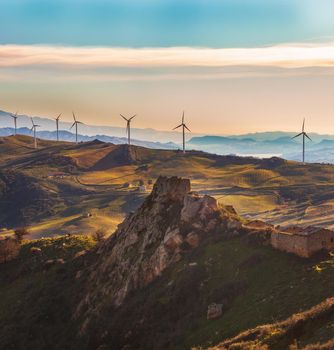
column 171, row 221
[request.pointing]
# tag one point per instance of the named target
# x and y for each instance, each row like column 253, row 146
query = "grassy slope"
column 35, row 302
column 255, row 283
column 309, row 330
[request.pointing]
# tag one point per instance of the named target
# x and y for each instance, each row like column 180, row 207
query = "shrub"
column 99, row 235
column 19, row 233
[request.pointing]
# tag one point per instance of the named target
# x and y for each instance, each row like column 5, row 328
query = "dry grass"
column 264, row 336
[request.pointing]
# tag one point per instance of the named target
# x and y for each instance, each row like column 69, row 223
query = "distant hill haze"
column 65, row 123
column 261, row 144
column 65, row 135
column 319, row 150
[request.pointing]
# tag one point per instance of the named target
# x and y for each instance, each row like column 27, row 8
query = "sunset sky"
column 234, row 66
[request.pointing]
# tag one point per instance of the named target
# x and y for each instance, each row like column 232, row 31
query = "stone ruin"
column 303, row 241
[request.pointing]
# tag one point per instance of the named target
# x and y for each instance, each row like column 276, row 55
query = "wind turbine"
column 303, row 134
column 14, row 116
column 76, row 122
column 57, row 125
column 33, row 128
column 184, row 126
column 128, row 126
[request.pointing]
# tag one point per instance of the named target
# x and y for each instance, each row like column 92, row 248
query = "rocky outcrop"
column 171, row 221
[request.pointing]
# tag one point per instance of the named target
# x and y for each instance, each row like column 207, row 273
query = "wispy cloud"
column 284, row 56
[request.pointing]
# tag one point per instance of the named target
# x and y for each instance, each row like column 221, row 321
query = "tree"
column 99, row 235
column 9, row 249
column 19, row 233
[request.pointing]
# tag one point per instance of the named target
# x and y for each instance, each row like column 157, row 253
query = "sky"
column 234, row 66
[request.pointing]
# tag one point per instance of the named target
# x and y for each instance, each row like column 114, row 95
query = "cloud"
column 283, row 56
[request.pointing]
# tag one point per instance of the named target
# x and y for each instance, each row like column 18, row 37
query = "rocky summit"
column 171, row 221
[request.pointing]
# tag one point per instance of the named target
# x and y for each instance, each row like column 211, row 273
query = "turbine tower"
column 128, row 126
column 76, row 122
column 184, row 126
column 33, row 128
column 14, row 116
column 57, row 125
column 303, row 134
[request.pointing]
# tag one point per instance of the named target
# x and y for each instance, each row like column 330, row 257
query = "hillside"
column 310, row 330
column 95, row 184
column 149, row 285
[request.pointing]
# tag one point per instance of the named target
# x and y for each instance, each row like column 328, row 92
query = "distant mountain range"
column 260, row 144
column 65, row 135
column 147, row 134
column 268, row 144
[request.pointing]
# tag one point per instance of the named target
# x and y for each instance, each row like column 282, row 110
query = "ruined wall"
column 303, row 245
column 290, row 243
column 324, row 239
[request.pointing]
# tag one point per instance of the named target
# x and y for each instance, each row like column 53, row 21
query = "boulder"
column 214, row 311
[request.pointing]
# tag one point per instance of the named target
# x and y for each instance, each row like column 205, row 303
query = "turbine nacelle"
column 183, row 126
column 14, row 116
column 128, row 126
column 303, row 134
column 76, row 122
column 34, row 126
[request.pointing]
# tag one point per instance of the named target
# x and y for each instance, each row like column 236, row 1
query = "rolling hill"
column 92, row 184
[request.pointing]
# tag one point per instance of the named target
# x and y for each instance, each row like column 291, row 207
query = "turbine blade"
column 297, row 135
column 58, row 116
column 186, row 127
column 72, row 125
column 307, row 136
column 303, row 125
column 74, row 116
column 183, row 117
column 133, row 117
column 178, row 126
column 123, row 117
